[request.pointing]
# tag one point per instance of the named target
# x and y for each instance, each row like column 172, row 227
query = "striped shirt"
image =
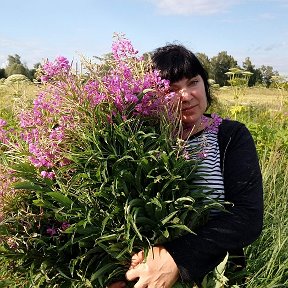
column 205, row 147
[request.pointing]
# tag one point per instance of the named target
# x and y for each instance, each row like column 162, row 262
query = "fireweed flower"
column 51, row 231
column 3, row 133
column 217, row 120
column 52, row 69
column 64, row 226
column 2, row 122
column 123, row 49
column 57, row 110
column 49, row 175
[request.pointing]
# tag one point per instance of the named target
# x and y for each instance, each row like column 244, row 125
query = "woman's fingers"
column 134, row 273
column 137, row 259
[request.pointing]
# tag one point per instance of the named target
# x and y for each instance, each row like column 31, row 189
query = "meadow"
column 265, row 112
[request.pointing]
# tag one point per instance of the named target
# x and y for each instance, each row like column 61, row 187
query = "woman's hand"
column 158, row 270
column 136, row 259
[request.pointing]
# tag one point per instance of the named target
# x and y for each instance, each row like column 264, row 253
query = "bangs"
column 176, row 67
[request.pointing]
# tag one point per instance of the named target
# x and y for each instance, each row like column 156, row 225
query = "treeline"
column 15, row 66
column 216, row 67
column 219, row 65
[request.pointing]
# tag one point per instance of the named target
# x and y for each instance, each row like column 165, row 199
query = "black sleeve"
column 196, row 255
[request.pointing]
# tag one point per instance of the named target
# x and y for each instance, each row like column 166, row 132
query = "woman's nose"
column 185, row 95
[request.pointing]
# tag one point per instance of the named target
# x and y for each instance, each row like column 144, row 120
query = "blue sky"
column 36, row 30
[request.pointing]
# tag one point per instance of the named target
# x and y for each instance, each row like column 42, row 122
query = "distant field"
column 253, row 96
column 17, row 95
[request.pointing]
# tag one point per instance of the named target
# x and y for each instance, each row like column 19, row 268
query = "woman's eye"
column 193, row 82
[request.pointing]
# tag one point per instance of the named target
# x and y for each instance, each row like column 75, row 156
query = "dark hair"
column 176, row 62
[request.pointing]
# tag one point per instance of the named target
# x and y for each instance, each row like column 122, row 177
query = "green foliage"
column 256, row 74
column 122, row 199
column 238, row 79
column 267, row 74
column 268, row 256
column 220, row 64
column 15, row 66
column 203, row 58
column 2, row 73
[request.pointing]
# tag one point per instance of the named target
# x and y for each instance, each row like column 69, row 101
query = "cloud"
column 195, row 7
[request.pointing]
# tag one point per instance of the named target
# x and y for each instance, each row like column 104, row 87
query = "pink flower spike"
column 2, row 123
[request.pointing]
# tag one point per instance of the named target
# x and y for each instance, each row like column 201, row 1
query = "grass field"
column 272, row 97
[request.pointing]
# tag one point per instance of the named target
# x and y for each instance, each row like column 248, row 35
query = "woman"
column 231, row 165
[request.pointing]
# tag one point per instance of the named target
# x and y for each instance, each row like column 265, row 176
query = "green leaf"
column 156, row 202
column 24, row 167
column 26, row 185
column 181, row 227
column 43, row 203
column 62, row 199
column 184, row 199
column 103, row 270
column 145, row 221
column 6, row 283
column 169, row 217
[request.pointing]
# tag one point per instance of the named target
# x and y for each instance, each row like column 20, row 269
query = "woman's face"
column 191, row 100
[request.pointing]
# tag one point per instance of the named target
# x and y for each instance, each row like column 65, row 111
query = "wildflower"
column 49, row 175
column 51, row 231
column 51, row 69
column 217, row 120
column 64, row 226
column 2, row 122
column 123, row 49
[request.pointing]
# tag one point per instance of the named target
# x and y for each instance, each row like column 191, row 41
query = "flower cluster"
column 52, row 69
column 126, row 87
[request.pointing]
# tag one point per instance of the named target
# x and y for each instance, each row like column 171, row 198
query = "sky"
column 39, row 30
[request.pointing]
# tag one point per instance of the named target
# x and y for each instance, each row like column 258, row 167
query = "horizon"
column 256, row 29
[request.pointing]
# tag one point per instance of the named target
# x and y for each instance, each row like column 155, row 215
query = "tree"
column 13, row 59
column 267, row 73
column 32, row 72
column 204, row 59
column 221, row 64
column 2, row 73
column 256, row 77
column 15, row 66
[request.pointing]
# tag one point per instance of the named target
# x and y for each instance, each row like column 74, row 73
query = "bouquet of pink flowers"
column 101, row 171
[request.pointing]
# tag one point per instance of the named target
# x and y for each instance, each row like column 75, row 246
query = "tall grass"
column 267, row 257
column 267, row 261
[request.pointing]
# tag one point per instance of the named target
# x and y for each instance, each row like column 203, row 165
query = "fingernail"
column 122, row 284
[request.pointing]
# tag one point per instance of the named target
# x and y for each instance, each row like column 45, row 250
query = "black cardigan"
column 196, row 255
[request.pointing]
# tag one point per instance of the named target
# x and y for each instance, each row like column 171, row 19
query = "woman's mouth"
column 185, row 110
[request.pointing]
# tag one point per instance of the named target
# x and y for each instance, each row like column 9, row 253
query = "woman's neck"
column 200, row 125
